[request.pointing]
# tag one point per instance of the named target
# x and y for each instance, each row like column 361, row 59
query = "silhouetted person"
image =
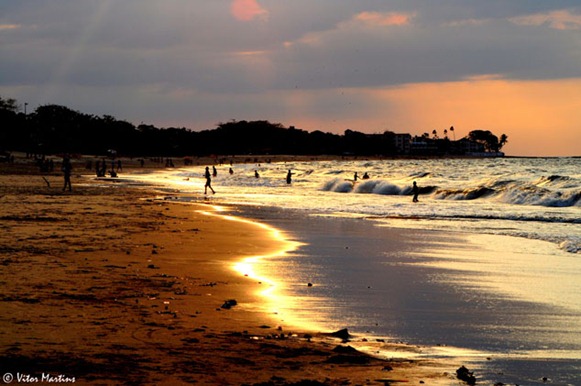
column 214, row 171
column 365, row 176
column 355, row 177
column 256, row 174
column 208, row 181
column 415, row 191
column 289, row 177
column 67, row 171
column 231, row 171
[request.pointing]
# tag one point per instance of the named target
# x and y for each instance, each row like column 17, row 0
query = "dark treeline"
column 54, row 129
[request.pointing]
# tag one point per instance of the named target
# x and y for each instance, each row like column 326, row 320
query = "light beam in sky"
column 76, row 51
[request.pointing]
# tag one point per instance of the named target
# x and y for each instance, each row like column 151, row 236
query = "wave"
column 534, row 195
column 552, row 178
column 476, row 217
column 338, row 185
column 420, row 174
column 571, row 245
column 466, row 194
column 567, row 243
column 511, row 192
column 380, row 187
column 506, row 191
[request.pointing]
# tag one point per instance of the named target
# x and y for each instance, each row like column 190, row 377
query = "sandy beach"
column 111, row 284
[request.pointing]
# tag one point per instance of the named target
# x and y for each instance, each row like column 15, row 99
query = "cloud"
column 384, row 19
column 483, row 77
column 559, row 19
column 466, row 22
column 197, row 63
column 247, row 10
column 4, row 27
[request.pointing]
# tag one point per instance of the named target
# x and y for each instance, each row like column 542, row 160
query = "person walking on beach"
column 67, row 171
column 415, row 191
column 208, row 181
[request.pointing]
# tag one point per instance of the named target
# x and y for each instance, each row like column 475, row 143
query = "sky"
column 408, row 66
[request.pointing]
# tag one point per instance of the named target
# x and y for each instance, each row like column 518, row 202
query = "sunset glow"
column 361, row 65
column 247, row 10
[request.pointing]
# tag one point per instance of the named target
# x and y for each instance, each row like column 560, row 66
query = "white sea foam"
column 537, row 198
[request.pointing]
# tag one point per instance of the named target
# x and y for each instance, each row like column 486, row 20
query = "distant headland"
column 54, row 129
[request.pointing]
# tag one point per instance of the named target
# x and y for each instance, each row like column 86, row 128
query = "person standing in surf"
column 415, row 191
column 289, row 177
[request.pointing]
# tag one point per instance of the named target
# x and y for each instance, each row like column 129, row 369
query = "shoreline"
column 27, row 165
column 431, row 250
column 106, row 285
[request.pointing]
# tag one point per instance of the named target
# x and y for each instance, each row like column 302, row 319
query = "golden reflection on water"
column 275, row 302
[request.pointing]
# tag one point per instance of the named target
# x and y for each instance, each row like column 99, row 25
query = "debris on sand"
column 229, row 304
column 466, row 375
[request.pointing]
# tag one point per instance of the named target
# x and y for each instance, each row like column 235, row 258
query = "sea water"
column 487, row 265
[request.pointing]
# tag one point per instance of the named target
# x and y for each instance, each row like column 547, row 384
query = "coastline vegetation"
column 55, row 129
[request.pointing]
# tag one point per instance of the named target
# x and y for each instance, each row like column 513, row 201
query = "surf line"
column 246, row 266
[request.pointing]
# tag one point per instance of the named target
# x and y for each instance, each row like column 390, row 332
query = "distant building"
column 468, row 147
column 423, row 146
column 403, row 143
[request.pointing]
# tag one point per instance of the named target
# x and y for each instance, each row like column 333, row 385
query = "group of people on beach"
column 214, row 173
column 208, row 176
column 67, row 169
column 356, row 176
column 101, row 167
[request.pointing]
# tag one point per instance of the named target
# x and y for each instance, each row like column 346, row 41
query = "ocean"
column 486, row 267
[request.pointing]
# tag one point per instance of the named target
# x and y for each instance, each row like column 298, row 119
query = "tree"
column 9, row 104
column 502, row 141
column 490, row 141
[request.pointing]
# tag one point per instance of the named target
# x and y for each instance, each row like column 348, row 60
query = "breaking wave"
column 506, row 191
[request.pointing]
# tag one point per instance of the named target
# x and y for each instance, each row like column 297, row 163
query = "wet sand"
column 110, row 284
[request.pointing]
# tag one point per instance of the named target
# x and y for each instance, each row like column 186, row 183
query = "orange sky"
column 365, row 65
column 539, row 117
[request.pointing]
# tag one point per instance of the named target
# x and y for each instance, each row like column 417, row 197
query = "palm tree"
column 452, row 130
column 502, row 141
column 445, row 133
column 435, row 133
